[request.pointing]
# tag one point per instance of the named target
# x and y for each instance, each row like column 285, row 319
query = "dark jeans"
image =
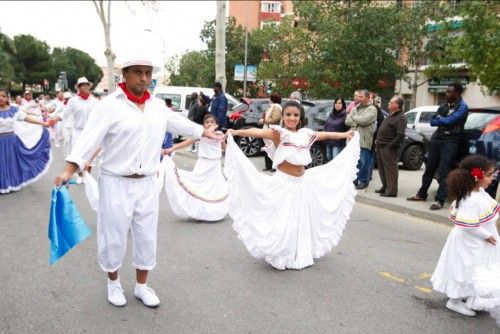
column 442, row 158
column 268, row 162
column 364, row 165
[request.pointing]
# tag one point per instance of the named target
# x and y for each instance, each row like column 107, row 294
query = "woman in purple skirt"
column 25, row 157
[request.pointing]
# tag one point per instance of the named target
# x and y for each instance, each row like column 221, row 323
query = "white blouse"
column 210, row 148
column 131, row 139
column 293, row 147
column 9, row 117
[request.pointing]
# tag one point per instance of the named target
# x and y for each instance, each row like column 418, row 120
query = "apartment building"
column 256, row 14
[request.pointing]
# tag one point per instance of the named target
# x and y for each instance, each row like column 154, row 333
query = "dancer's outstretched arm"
column 254, row 132
column 32, row 120
column 324, row 135
column 176, row 147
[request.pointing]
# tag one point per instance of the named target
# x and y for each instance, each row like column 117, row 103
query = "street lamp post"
column 164, row 53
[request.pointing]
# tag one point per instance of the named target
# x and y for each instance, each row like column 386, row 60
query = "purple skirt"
column 20, row 166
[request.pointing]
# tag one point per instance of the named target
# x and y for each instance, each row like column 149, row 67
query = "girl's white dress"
column 203, row 193
column 486, row 281
column 288, row 220
column 466, row 248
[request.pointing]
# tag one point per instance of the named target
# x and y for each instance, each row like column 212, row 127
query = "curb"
column 404, row 210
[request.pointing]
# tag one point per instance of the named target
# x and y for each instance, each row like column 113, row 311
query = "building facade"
column 256, row 14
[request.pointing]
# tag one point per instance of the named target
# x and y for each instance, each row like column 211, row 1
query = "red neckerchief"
column 138, row 100
column 66, row 101
column 83, row 96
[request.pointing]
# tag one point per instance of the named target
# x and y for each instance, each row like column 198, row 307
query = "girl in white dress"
column 201, row 194
column 295, row 215
column 474, row 240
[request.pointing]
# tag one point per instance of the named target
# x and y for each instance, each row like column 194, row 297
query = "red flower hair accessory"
column 477, row 174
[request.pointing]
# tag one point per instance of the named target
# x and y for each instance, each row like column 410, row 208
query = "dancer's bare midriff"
column 291, row 169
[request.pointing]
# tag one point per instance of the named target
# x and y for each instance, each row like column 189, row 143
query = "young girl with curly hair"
column 474, row 241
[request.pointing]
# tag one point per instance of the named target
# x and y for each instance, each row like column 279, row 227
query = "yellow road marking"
column 423, row 276
column 423, row 289
column 391, row 276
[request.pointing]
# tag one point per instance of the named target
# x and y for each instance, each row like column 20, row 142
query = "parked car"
column 181, row 97
column 411, row 153
column 419, row 119
column 247, row 115
column 481, row 135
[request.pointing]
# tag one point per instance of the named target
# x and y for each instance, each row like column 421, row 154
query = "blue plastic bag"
column 66, row 227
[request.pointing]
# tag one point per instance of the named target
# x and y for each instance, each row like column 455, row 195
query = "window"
column 425, row 117
column 176, row 99
column 270, row 7
column 410, row 117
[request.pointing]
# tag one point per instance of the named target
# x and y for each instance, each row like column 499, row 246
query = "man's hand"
column 212, row 133
column 491, row 240
column 62, row 179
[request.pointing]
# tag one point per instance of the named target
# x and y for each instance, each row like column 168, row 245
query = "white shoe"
column 460, row 307
column 115, row 295
column 148, row 296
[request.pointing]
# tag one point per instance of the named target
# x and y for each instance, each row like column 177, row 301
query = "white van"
column 419, row 119
column 181, row 96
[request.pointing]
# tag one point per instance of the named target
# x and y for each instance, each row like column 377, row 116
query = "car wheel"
column 318, row 156
column 413, row 157
column 250, row 146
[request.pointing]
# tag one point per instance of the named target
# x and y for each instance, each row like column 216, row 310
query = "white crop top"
column 210, row 148
column 293, row 146
column 9, row 117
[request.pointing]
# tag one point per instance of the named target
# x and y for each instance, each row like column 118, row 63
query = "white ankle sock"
column 115, row 282
column 140, row 286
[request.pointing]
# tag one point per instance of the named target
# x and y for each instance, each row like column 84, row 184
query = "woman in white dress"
column 295, row 215
column 474, row 241
column 201, row 194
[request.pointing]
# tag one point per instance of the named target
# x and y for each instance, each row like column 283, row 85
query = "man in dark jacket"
column 218, row 105
column 450, row 119
column 389, row 137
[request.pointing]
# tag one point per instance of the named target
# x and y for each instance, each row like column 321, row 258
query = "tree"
column 479, row 45
column 105, row 17
column 7, row 59
column 33, row 61
column 192, row 69
column 75, row 63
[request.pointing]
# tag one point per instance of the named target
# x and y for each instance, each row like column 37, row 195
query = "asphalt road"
column 375, row 281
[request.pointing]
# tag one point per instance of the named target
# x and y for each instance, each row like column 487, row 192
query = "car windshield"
column 176, row 98
column 478, row 120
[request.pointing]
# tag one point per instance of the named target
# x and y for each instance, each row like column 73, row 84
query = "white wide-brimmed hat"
column 67, row 95
column 141, row 58
column 82, row 80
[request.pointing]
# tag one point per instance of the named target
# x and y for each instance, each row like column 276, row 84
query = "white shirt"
column 31, row 108
column 9, row 117
column 131, row 139
column 79, row 109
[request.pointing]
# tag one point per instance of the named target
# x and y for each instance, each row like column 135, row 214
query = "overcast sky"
column 76, row 24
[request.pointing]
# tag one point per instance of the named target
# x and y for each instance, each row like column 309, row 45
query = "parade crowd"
column 288, row 216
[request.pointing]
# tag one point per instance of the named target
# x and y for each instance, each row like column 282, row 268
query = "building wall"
column 472, row 95
column 249, row 11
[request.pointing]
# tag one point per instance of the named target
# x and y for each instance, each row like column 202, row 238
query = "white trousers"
column 67, row 142
column 75, row 134
column 125, row 205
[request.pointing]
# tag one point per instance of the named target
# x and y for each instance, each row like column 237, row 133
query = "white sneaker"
column 460, row 307
column 147, row 295
column 115, row 295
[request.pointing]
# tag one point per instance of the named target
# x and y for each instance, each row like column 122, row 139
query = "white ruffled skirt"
column 486, row 281
column 288, row 220
column 201, row 194
column 461, row 255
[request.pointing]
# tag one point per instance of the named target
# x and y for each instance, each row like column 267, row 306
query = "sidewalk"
column 408, row 184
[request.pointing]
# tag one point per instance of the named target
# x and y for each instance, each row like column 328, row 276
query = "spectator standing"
column 354, row 102
column 362, row 119
column 271, row 116
column 192, row 110
column 336, row 123
column 218, row 105
column 377, row 103
column 450, row 119
column 389, row 139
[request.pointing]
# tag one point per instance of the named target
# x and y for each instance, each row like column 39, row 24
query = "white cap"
column 67, row 95
column 139, row 57
column 82, row 80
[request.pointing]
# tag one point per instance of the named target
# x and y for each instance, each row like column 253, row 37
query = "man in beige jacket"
column 363, row 119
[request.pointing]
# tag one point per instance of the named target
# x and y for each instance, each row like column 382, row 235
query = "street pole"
column 220, row 44
column 246, row 53
column 164, row 53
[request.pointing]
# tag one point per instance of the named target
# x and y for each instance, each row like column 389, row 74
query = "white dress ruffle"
column 486, row 282
column 465, row 248
column 288, row 220
column 201, row 194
